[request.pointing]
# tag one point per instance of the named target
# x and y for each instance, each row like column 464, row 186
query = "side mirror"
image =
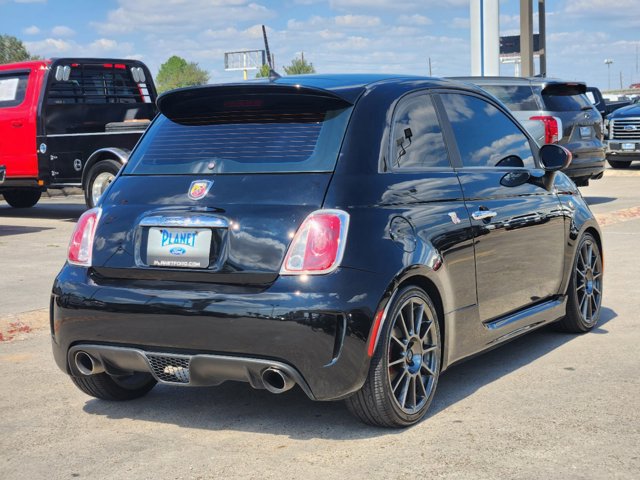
column 554, row 157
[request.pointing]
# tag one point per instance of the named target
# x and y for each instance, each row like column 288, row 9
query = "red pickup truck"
column 69, row 122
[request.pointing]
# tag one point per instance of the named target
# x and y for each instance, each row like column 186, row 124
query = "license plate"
column 585, row 132
column 179, row 247
column 628, row 146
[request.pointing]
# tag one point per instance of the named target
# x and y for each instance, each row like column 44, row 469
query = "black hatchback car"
column 354, row 235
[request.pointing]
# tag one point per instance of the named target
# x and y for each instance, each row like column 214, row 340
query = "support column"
column 485, row 37
column 526, row 37
column 542, row 27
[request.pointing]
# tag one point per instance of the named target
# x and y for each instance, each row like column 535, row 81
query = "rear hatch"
column 581, row 122
column 219, row 184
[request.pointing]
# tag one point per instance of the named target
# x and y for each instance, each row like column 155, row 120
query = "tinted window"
column 516, row 98
column 274, row 134
column 486, row 137
column 12, row 89
column 565, row 103
column 416, row 135
column 98, row 83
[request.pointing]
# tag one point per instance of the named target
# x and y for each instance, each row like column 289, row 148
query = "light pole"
column 608, row 63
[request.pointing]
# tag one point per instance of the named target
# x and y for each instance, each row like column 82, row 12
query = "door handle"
column 16, row 124
column 483, row 214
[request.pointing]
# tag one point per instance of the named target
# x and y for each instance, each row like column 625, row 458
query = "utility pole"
column 608, row 63
column 430, row 74
column 620, row 79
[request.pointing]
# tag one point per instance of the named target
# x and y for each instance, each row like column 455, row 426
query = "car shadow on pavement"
column 236, row 406
column 6, row 230
column 599, row 200
column 69, row 211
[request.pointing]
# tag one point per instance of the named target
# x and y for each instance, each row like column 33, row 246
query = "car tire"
column 100, row 176
column 400, row 385
column 23, row 198
column 585, row 288
column 619, row 163
column 106, row 387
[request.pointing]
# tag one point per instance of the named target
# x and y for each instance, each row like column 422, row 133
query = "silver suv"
column 567, row 115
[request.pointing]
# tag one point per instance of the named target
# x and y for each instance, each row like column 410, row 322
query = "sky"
column 337, row 36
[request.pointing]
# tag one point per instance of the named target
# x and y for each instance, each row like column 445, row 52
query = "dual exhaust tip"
column 274, row 379
column 86, row 364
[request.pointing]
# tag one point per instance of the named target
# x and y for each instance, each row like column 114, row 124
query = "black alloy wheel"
column 585, row 288
column 406, row 364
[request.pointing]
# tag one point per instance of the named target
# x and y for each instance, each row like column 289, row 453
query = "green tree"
column 299, row 66
column 264, row 71
column 177, row 72
column 13, row 50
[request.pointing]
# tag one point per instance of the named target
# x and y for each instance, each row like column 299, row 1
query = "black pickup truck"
column 604, row 107
column 622, row 136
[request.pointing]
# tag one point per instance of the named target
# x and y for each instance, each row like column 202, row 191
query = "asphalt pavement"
column 547, row 405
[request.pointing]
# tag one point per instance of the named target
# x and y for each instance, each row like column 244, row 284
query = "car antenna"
column 273, row 75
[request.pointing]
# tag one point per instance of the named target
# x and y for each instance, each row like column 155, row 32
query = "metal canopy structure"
column 485, row 38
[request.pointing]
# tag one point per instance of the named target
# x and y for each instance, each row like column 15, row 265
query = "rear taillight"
column 552, row 128
column 318, row 245
column 81, row 245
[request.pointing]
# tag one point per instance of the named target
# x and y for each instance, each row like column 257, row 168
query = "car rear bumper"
column 316, row 327
column 587, row 164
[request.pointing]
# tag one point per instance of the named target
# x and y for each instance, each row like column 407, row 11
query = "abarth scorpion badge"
column 199, row 188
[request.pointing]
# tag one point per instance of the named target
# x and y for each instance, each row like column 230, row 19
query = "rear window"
column 278, row 133
column 516, row 98
column 565, row 103
column 13, row 87
column 98, row 84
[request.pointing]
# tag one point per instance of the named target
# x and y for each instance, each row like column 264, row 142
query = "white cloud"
column 415, row 19
column 603, row 7
column 404, row 5
column 62, row 31
column 104, row 44
column 460, row 23
column 175, row 16
column 51, row 47
column 357, row 21
column 32, row 30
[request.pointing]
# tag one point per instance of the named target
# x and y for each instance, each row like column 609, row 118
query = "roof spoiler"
column 565, row 88
column 203, row 98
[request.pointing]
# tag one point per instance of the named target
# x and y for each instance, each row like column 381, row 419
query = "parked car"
column 355, row 235
column 622, row 129
column 569, row 117
column 69, row 122
column 602, row 105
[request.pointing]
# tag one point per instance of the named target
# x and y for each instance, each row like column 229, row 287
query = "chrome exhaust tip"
column 276, row 381
column 86, row 364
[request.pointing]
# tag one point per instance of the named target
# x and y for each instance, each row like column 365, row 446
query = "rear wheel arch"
column 597, row 236
column 417, row 276
column 430, row 288
column 118, row 154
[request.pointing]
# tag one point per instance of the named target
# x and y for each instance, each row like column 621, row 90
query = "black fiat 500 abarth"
column 354, row 235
